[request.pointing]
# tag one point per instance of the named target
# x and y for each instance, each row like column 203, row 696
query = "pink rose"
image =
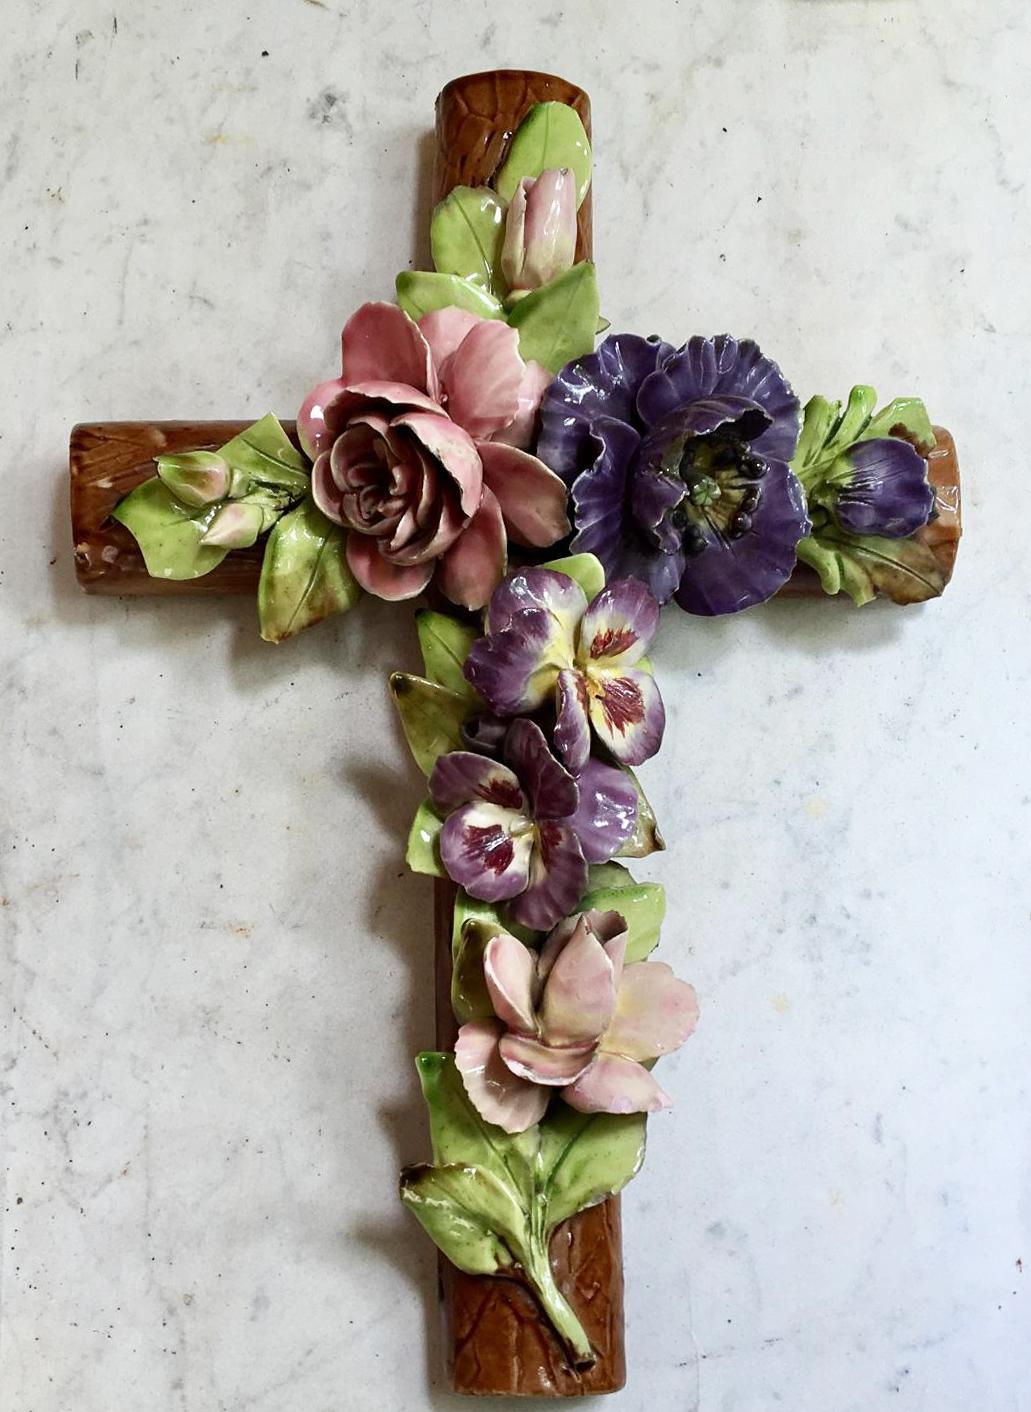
column 417, row 449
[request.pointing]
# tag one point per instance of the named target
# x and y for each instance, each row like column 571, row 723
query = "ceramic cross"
column 499, row 1340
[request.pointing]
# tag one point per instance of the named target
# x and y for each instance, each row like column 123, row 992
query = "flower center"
column 722, row 475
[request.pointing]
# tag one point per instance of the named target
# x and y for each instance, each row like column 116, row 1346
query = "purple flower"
column 677, row 461
column 879, row 487
column 545, row 644
column 525, row 830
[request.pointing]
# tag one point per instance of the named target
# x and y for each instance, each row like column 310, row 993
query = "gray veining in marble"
column 215, row 969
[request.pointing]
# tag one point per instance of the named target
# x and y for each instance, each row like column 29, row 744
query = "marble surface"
column 215, row 970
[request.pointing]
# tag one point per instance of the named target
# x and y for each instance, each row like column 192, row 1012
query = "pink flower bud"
column 195, row 478
column 540, row 232
column 236, row 526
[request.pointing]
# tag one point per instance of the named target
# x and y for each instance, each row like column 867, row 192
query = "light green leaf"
column 467, row 232
column 862, row 566
column 423, row 852
column 644, row 907
column 304, row 574
column 586, row 1158
column 420, row 292
column 463, row 1209
column 264, row 455
column 469, row 996
column 646, row 837
column 828, row 431
column 431, row 716
column 550, row 136
column 905, row 417
column 169, row 534
column 610, row 874
column 460, row 1135
column 557, row 322
column 584, row 569
column 445, row 643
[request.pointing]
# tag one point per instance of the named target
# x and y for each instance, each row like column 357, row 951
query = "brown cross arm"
column 108, row 459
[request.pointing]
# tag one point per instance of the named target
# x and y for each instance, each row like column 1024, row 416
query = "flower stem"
column 568, row 1327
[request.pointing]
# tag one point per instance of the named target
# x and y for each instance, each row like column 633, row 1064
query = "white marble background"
column 215, row 969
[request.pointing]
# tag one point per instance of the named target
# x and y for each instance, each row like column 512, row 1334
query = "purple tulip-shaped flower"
column 540, row 230
column 546, row 644
column 879, row 487
column 573, row 1019
column 524, row 830
column 677, row 461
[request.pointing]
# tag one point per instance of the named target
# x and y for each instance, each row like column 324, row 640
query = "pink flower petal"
column 312, row 432
column 380, row 577
column 483, row 377
column 496, row 1093
column 475, row 564
column 510, row 970
column 388, row 398
column 627, row 712
column 533, row 499
column 655, row 1012
column 444, row 329
column 453, row 448
column 543, row 1063
column 521, row 430
column 580, row 993
column 616, row 1085
column 381, row 343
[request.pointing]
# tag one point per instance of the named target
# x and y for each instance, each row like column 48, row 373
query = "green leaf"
column 462, row 1209
column 586, row 1158
column 646, row 837
column 420, row 292
column 467, row 232
column 169, row 534
column 423, row 852
column 460, row 1135
column 644, row 907
column 445, row 643
column 610, row 874
column 862, row 566
column 585, row 569
column 470, row 999
column 304, row 574
column 557, row 322
column 905, row 417
column 264, row 455
column 550, row 136
column 828, row 432
column 431, row 716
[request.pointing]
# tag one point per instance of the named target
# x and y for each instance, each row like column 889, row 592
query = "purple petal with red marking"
column 615, row 1085
column 619, row 626
column 551, row 790
column 496, row 1093
column 627, row 714
column 480, row 853
column 555, row 593
column 607, row 813
column 515, row 670
column 572, row 734
column 557, row 878
column 460, row 777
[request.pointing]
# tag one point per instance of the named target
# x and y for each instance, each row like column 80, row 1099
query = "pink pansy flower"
column 418, row 450
column 545, row 642
column 573, row 1019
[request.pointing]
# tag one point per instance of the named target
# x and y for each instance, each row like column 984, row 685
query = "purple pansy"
column 545, row 644
column 879, row 487
column 677, row 462
column 572, row 1019
column 524, row 829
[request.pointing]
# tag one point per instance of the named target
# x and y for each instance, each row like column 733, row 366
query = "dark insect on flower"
column 677, row 463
